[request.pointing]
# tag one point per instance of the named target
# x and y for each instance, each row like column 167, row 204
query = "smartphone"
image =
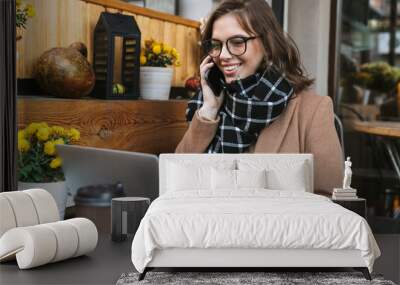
column 213, row 78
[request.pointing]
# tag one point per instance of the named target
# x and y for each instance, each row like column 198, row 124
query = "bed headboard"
column 212, row 159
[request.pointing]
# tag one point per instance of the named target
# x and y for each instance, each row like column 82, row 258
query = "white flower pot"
column 155, row 82
column 58, row 190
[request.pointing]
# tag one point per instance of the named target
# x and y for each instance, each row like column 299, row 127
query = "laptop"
column 83, row 166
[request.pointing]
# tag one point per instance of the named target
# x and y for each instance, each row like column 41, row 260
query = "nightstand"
column 357, row 205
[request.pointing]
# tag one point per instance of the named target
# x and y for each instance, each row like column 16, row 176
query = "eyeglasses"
column 236, row 45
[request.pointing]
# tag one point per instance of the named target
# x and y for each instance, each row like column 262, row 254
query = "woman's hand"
column 212, row 103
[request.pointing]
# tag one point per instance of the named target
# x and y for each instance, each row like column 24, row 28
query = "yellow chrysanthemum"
column 30, row 11
column 167, row 48
column 56, row 162
column 177, row 63
column 174, row 52
column 143, row 60
column 59, row 141
column 23, row 145
column 157, row 49
column 21, row 134
column 57, row 130
column 49, row 148
column 32, row 128
column 43, row 134
column 74, row 134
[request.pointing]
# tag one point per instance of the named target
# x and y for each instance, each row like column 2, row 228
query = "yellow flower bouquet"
column 38, row 160
column 158, row 54
column 23, row 12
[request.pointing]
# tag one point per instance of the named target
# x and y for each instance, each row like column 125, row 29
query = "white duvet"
column 250, row 218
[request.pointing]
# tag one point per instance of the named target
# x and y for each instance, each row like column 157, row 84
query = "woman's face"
column 234, row 66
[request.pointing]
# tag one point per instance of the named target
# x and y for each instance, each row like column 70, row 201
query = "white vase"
column 58, row 190
column 155, row 82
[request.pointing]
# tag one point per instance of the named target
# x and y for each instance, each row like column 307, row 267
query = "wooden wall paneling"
column 144, row 26
column 38, row 36
column 93, row 13
column 22, row 52
column 47, row 27
column 180, row 72
column 169, row 31
column 192, row 52
column 71, row 22
column 156, row 29
column 21, row 58
column 48, row 24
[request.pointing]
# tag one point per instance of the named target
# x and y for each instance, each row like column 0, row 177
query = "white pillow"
column 281, row 174
column 223, row 179
column 251, row 178
column 291, row 179
column 184, row 175
column 228, row 179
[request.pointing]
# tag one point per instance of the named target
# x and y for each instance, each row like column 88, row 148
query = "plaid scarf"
column 250, row 104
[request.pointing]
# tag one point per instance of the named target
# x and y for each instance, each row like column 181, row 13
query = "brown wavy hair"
column 257, row 18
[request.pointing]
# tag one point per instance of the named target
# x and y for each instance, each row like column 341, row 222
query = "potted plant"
column 379, row 77
column 39, row 166
column 155, row 75
column 22, row 13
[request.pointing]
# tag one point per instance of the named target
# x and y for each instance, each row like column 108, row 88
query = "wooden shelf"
column 117, row 4
column 59, row 23
column 147, row 126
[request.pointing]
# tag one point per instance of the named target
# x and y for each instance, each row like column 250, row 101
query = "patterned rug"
column 243, row 278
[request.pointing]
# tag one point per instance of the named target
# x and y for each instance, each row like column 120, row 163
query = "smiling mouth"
column 231, row 68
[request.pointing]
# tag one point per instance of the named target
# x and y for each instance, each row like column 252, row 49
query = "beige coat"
column 306, row 126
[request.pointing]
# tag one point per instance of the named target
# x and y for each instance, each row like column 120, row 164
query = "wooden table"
column 389, row 132
column 380, row 128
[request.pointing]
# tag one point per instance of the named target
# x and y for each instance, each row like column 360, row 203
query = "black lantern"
column 116, row 30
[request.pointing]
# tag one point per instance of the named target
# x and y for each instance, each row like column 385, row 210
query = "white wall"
column 195, row 9
column 308, row 24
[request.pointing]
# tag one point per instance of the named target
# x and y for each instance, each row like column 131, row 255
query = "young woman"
column 255, row 96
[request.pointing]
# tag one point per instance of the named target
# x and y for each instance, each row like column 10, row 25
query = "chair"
column 369, row 141
column 339, row 130
column 383, row 167
column 31, row 233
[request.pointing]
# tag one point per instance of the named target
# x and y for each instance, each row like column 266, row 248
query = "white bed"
column 201, row 220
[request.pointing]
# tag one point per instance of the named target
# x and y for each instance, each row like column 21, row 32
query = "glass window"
column 368, row 102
